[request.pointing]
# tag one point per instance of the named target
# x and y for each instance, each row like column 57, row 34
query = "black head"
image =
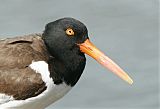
column 67, row 40
column 62, row 38
column 63, row 35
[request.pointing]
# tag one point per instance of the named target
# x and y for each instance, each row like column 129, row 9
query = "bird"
column 38, row 69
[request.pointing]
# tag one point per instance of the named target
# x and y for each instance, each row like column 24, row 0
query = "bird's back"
column 20, row 51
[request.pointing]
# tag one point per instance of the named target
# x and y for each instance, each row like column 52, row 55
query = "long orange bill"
column 88, row 48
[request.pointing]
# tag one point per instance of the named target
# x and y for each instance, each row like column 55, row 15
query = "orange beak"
column 88, row 48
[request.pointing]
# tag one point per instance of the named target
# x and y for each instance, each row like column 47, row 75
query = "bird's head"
column 68, row 34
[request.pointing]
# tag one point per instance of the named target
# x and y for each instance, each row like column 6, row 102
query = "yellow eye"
column 70, row 32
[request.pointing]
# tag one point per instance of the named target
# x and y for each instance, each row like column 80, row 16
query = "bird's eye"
column 70, row 32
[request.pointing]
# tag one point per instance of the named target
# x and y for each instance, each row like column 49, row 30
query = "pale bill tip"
column 130, row 81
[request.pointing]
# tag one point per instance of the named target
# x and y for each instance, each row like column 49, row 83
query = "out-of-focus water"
column 126, row 30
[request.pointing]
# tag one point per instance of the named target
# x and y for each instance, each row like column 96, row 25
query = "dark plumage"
column 66, row 62
column 38, row 69
column 16, row 54
column 67, row 54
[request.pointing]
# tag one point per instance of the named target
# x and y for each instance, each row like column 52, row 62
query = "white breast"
column 49, row 96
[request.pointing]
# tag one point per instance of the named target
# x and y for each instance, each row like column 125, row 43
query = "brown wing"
column 16, row 54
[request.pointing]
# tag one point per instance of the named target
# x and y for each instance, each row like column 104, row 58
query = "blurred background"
column 126, row 30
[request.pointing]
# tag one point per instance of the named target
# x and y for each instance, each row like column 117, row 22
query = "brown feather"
column 16, row 54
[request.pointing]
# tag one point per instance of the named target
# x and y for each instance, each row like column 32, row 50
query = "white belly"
column 41, row 101
column 49, row 96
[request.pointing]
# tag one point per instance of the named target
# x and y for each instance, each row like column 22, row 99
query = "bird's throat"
column 67, row 68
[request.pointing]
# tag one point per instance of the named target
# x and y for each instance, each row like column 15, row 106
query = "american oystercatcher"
column 38, row 69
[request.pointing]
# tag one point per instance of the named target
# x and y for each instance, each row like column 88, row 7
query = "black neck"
column 67, row 67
